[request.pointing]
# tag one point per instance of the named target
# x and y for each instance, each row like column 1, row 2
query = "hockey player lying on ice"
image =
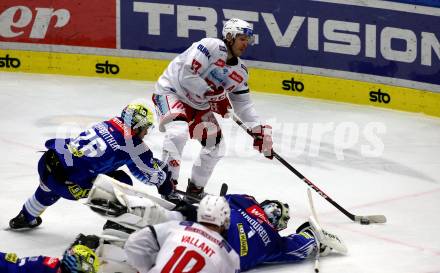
column 79, row 257
column 253, row 233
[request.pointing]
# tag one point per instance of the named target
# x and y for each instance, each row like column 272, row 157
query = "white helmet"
column 236, row 26
column 214, row 210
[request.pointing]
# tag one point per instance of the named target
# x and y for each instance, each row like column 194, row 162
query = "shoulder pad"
column 215, row 47
column 212, row 43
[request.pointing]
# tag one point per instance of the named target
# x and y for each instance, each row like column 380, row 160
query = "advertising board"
column 89, row 23
column 353, row 38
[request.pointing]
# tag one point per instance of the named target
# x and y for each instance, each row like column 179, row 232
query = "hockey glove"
column 218, row 101
column 263, row 143
column 90, row 241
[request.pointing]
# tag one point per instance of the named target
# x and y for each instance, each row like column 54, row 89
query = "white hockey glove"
column 327, row 240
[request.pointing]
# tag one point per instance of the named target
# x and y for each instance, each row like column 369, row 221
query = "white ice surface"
column 401, row 182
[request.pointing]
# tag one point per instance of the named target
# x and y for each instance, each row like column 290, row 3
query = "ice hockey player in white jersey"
column 203, row 80
column 183, row 246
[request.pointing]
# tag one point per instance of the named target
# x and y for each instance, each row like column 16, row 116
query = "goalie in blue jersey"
column 69, row 167
column 80, row 257
column 254, row 233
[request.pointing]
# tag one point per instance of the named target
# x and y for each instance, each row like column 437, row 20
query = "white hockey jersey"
column 203, row 66
column 180, row 247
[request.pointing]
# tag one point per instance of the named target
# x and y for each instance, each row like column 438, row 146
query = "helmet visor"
column 142, row 119
column 277, row 213
column 249, row 33
column 144, row 122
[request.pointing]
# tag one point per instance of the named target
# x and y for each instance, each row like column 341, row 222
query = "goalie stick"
column 223, row 192
column 364, row 220
column 312, row 208
column 322, row 237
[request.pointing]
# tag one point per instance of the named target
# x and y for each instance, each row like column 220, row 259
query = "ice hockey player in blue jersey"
column 69, row 166
column 254, row 233
column 78, row 258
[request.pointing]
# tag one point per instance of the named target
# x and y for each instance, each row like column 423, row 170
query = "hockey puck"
column 365, row 221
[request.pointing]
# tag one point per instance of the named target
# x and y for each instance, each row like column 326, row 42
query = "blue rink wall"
column 377, row 53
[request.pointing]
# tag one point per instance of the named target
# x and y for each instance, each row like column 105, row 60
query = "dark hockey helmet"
column 277, row 213
column 137, row 115
column 80, row 259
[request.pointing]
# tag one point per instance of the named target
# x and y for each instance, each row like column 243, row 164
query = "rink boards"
column 326, row 49
column 262, row 80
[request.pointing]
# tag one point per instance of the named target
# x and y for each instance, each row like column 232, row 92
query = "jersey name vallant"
column 190, row 247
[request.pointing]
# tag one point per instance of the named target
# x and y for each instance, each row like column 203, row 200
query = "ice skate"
column 20, row 222
column 194, row 193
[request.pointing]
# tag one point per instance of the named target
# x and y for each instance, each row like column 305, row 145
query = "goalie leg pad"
column 140, row 212
column 116, row 231
column 125, row 207
column 107, row 208
column 148, row 211
column 113, row 259
column 102, row 189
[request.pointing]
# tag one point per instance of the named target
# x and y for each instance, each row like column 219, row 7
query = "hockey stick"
column 364, row 220
column 223, row 192
column 318, row 252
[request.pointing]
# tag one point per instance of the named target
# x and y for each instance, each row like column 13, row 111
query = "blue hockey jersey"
column 103, row 148
column 10, row 263
column 256, row 241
